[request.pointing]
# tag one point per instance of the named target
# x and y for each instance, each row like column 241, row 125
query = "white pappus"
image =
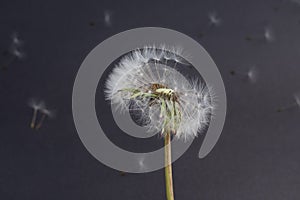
column 146, row 80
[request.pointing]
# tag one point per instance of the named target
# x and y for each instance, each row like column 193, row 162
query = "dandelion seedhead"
column 146, row 82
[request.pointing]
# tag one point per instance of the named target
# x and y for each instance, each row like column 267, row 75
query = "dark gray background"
column 257, row 154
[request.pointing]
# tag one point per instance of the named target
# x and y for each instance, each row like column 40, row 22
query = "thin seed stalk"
column 33, row 118
column 41, row 122
column 168, row 167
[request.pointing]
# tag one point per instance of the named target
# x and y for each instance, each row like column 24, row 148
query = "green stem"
column 168, row 167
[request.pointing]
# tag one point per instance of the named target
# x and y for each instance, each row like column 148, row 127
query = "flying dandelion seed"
column 107, row 18
column 213, row 21
column 295, row 104
column 36, row 106
column 267, row 36
column 251, row 75
column 141, row 164
column 159, row 97
column 14, row 51
column 45, row 113
column 17, row 53
column 16, row 41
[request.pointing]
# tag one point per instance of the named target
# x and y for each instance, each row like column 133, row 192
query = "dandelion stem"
column 168, row 167
column 33, row 118
column 41, row 122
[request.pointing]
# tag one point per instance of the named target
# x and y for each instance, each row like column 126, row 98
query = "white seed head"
column 180, row 105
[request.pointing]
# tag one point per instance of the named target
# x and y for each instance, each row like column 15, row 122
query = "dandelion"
column 45, row 113
column 296, row 103
column 251, row 75
column 36, row 106
column 160, row 98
